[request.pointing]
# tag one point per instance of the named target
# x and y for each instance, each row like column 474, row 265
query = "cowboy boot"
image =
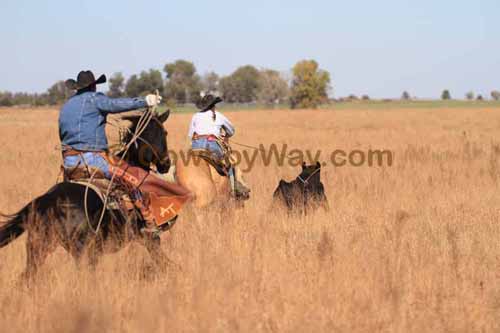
column 150, row 229
column 240, row 189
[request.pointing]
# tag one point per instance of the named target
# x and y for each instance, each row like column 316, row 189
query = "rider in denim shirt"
column 82, row 122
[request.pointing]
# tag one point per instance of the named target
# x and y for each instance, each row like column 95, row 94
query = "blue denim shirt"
column 82, row 119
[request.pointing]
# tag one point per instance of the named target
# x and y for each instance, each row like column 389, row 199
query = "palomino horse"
column 70, row 213
column 203, row 181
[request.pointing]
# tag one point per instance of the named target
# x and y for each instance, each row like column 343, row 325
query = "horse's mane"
column 127, row 131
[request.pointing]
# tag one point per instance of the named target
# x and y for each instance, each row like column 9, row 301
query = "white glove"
column 152, row 100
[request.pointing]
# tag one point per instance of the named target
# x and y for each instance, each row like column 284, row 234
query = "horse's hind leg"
column 81, row 249
column 38, row 247
column 159, row 257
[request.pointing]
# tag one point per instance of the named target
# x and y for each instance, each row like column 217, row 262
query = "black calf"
column 305, row 194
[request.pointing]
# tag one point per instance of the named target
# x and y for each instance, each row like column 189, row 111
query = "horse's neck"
column 132, row 157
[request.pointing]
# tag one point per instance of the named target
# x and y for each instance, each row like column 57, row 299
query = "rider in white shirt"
column 208, row 128
column 203, row 122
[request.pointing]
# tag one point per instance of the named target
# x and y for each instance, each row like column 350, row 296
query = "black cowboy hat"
column 207, row 102
column 83, row 80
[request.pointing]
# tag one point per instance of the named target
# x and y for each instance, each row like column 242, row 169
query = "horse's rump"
column 204, row 181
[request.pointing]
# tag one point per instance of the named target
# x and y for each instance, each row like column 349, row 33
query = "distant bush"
column 365, row 98
column 445, row 95
column 470, row 95
column 58, row 93
column 405, row 96
column 495, row 94
column 480, row 97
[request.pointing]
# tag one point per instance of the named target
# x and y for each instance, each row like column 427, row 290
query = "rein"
column 306, row 181
column 122, row 150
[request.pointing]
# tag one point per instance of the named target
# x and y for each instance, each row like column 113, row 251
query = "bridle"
column 306, row 181
column 148, row 144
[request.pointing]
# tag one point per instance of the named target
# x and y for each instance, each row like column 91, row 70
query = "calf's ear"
column 303, row 165
column 318, row 165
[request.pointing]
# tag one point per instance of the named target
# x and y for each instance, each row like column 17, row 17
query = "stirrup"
column 241, row 192
column 152, row 233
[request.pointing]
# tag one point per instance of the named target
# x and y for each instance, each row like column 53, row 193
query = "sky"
column 379, row 48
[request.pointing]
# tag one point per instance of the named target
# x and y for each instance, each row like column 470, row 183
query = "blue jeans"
column 210, row 145
column 90, row 159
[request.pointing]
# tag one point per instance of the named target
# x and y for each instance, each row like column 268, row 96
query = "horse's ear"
column 303, row 165
column 164, row 116
column 318, row 165
column 133, row 118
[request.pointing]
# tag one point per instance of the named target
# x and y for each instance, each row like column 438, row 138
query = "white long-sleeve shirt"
column 203, row 123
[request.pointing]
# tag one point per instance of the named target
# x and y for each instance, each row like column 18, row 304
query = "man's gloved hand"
column 153, row 100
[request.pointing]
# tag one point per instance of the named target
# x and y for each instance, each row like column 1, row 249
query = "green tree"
column 445, row 95
column 146, row 83
column 183, row 83
column 6, row 98
column 310, row 85
column 470, row 95
column 242, row 86
column 273, row 88
column 210, row 82
column 495, row 94
column 116, row 85
column 132, row 88
column 58, row 93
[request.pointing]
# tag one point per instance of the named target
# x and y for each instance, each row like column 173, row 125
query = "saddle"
column 220, row 165
column 118, row 196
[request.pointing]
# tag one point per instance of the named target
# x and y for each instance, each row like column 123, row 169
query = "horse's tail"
column 14, row 226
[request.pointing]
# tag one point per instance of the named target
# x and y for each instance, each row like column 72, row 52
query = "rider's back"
column 203, row 123
column 82, row 119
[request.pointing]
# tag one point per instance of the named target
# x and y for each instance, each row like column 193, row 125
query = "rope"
column 246, row 146
column 309, row 177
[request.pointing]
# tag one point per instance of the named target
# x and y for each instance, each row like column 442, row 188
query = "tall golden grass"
column 409, row 248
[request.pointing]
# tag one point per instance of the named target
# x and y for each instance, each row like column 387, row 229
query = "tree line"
column 179, row 83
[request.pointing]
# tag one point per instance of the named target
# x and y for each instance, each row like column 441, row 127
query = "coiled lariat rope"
column 139, row 129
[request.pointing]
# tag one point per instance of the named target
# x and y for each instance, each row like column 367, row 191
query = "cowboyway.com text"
column 281, row 155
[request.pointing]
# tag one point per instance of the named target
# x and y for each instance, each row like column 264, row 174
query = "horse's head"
column 310, row 173
column 151, row 145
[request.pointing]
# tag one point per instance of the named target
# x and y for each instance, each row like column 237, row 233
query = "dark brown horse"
column 66, row 215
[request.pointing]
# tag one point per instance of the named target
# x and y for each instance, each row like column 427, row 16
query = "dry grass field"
column 410, row 248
